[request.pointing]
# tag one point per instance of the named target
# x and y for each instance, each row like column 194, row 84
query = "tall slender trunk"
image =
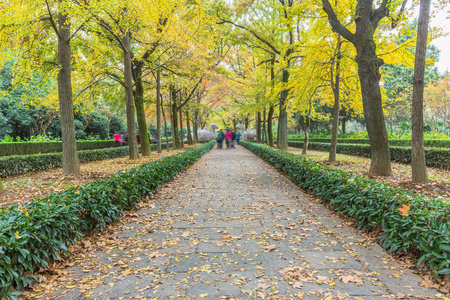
column 174, row 115
column 188, row 127
column 264, row 127
column 166, row 132
column 180, row 111
column 270, row 125
column 195, row 125
column 158, row 110
column 307, row 126
column 132, row 144
column 1, row 186
column 140, row 109
column 336, row 93
column 419, row 168
column 258, row 127
column 282, row 119
column 71, row 163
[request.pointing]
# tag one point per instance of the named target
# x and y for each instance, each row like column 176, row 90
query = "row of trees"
column 184, row 63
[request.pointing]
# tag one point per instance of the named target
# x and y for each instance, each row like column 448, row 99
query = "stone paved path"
column 232, row 227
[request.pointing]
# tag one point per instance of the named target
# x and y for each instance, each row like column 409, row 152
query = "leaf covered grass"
column 23, row 188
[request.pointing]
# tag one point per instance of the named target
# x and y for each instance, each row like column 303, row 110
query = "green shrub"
column 35, row 233
column 22, row 164
column 401, row 143
column 26, row 148
column 425, row 230
column 434, row 157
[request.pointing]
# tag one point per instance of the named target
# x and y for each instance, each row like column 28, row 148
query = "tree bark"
column 158, row 110
column 174, row 115
column 366, row 22
column 1, row 186
column 180, row 111
column 264, row 127
column 71, row 163
column 140, row 110
column 188, row 127
column 282, row 119
column 270, row 125
column 128, row 74
column 195, row 125
column 336, row 93
column 307, row 126
column 165, row 126
column 419, row 169
column 258, row 127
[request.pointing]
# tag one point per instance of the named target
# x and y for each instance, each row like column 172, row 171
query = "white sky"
column 441, row 19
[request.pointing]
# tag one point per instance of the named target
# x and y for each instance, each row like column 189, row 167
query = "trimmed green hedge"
column 22, row 164
column 27, row 148
column 36, row 233
column 425, row 230
column 399, row 143
column 434, row 157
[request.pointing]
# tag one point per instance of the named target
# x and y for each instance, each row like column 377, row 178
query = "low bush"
column 35, row 233
column 400, row 143
column 423, row 227
column 27, row 148
column 434, row 157
column 22, row 164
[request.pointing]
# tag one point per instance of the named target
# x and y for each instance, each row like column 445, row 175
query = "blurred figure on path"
column 233, row 138
column 117, row 139
column 220, row 138
column 228, row 138
column 238, row 137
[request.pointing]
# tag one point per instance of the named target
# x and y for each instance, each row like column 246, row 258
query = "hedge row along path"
column 23, row 188
column 230, row 227
column 437, row 187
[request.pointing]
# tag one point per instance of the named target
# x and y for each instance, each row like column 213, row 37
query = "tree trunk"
column 166, row 132
column 369, row 64
column 344, row 125
column 270, row 125
column 195, row 125
column 307, row 126
column 158, row 110
column 336, row 93
column 71, row 163
column 258, row 127
column 282, row 119
column 264, row 127
column 1, row 186
column 188, row 127
column 174, row 116
column 140, row 110
column 180, row 110
column 132, row 144
column 419, row 169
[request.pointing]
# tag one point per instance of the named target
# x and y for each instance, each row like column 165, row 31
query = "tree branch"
column 52, row 20
column 336, row 25
column 377, row 14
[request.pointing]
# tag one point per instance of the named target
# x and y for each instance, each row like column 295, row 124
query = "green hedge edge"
column 425, row 231
column 22, row 164
column 400, row 143
column 434, row 157
column 27, row 148
column 47, row 226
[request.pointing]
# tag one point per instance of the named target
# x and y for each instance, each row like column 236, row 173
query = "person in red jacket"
column 228, row 137
column 117, row 139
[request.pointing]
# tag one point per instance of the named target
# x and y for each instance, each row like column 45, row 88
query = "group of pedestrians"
column 230, row 138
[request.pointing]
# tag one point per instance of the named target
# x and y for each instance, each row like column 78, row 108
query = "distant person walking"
column 238, row 137
column 117, row 139
column 220, row 138
column 228, row 138
column 233, row 138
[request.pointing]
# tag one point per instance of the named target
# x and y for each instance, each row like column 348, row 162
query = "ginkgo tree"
column 42, row 33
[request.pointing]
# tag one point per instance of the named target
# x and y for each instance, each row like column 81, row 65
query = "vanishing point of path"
column 230, row 227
